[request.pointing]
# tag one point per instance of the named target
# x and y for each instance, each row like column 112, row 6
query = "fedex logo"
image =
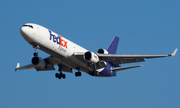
column 95, row 56
column 58, row 39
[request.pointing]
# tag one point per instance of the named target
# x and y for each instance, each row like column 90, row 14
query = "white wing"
column 120, row 59
column 51, row 61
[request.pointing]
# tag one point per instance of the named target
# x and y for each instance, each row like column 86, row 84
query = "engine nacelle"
column 38, row 62
column 102, row 51
column 91, row 57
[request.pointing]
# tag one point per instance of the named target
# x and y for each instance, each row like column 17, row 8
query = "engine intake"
column 102, row 51
column 91, row 57
column 38, row 62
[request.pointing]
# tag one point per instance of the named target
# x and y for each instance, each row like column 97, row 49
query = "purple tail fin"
column 113, row 46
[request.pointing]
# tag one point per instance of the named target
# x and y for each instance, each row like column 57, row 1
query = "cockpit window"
column 29, row 26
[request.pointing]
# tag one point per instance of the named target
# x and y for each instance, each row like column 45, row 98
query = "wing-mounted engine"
column 102, row 51
column 91, row 57
column 38, row 62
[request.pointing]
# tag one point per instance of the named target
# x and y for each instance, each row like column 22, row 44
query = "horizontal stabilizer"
column 125, row 68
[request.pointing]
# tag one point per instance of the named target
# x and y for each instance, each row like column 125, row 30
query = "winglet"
column 18, row 65
column 174, row 53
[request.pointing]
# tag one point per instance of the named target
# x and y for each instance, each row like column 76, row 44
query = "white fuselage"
column 53, row 44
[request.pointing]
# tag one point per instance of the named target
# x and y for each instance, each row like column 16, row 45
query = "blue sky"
column 144, row 27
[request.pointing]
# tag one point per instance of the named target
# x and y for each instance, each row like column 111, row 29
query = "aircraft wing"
column 49, row 60
column 30, row 66
column 121, row 59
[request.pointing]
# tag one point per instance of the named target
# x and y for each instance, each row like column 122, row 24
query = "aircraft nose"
column 23, row 31
column 26, row 32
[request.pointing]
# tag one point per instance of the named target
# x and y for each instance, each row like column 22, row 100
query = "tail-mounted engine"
column 38, row 62
column 91, row 57
column 102, row 51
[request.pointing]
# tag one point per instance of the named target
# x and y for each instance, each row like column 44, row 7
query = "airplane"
column 68, row 55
